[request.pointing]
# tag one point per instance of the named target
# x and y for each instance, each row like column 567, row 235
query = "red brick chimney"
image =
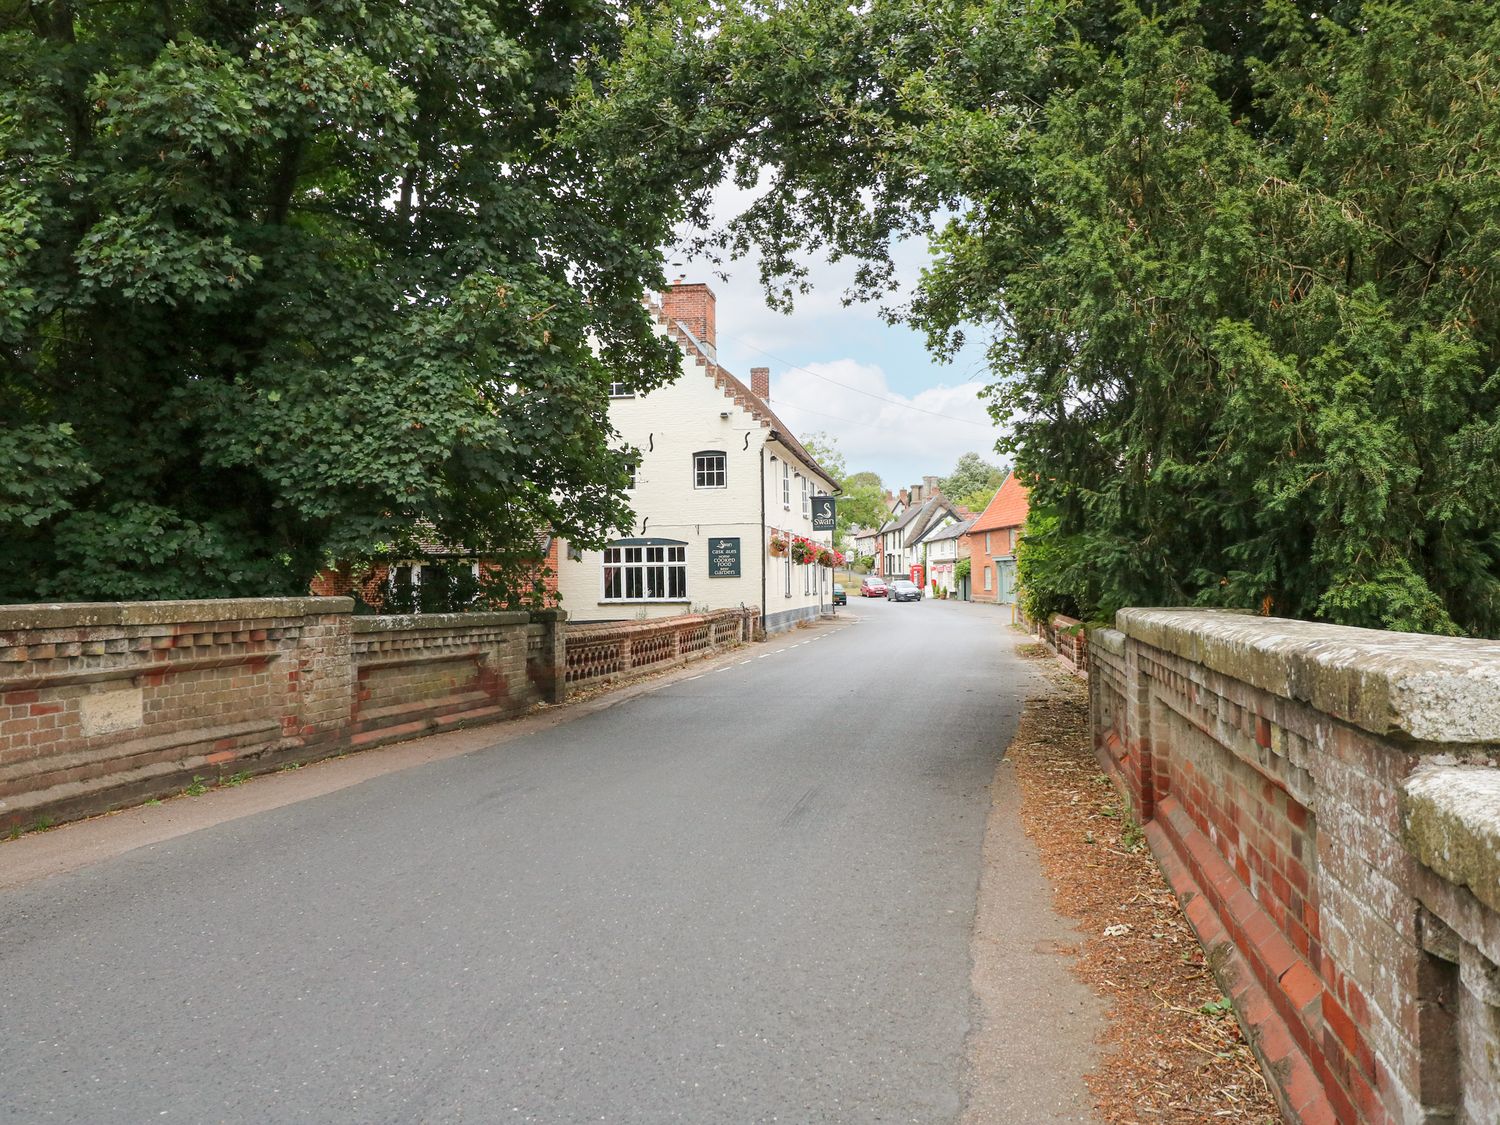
column 760, row 382
column 694, row 306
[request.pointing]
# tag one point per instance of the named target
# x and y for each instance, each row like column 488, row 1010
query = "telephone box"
column 916, row 574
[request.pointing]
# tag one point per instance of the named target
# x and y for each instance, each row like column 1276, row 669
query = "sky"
column 874, row 388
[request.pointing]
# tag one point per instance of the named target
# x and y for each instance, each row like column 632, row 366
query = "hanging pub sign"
column 724, row 558
column 823, row 513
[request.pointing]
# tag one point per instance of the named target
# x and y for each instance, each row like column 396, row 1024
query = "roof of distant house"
column 952, row 531
column 1007, row 508
column 919, row 517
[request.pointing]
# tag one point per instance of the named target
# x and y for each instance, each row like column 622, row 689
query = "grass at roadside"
column 1173, row 1051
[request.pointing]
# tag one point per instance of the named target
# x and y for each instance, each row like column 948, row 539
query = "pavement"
column 743, row 892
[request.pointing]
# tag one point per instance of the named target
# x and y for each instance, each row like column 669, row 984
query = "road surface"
column 744, row 895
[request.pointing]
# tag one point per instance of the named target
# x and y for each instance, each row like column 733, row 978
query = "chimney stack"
column 916, row 495
column 930, row 486
column 760, row 382
column 694, row 306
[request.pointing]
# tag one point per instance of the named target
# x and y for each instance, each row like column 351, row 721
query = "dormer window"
column 620, row 390
column 709, row 470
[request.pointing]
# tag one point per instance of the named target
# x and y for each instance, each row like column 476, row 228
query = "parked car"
column 839, row 597
column 904, row 590
column 873, row 587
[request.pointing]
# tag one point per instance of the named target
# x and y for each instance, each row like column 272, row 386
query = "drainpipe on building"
column 764, row 553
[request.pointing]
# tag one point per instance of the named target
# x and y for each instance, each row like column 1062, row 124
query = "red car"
column 873, row 587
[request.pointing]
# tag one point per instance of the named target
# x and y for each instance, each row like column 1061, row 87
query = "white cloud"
column 901, row 437
column 849, row 345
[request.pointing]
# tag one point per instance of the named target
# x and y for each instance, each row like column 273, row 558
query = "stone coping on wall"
column 1428, row 688
column 395, row 623
column 1452, row 824
column 66, row 615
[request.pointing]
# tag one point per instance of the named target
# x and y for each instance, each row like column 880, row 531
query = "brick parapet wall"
column 1068, row 638
column 607, row 651
column 106, row 705
column 1271, row 761
column 103, row 704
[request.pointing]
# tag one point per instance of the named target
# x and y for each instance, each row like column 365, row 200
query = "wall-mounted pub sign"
column 724, row 558
column 823, row 513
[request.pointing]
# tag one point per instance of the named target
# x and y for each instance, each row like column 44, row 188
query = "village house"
column 992, row 543
column 720, row 477
column 942, row 545
column 913, row 512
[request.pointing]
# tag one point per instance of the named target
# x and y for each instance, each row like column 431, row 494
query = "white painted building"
column 942, row 545
column 719, row 475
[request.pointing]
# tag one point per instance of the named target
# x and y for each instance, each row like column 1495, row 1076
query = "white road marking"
column 699, row 676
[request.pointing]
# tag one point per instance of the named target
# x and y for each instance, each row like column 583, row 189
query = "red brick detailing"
column 760, row 382
column 1279, row 827
column 693, row 305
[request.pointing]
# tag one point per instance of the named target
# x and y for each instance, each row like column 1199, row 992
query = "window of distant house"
column 986, row 548
column 708, row 469
column 988, row 579
column 430, row 587
column 786, row 488
column 620, row 390
column 1012, row 540
column 645, row 570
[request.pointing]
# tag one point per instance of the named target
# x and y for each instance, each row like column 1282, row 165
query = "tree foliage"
column 1239, row 260
column 861, row 500
column 972, row 474
column 282, row 283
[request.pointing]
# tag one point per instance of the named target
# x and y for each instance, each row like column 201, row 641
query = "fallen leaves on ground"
column 1173, row 1051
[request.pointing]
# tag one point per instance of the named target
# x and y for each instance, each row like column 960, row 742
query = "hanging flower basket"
column 825, row 557
column 804, row 551
column 777, row 546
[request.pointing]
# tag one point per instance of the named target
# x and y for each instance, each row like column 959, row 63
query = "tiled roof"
column 1007, row 508
column 916, row 520
column 952, row 531
column 707, row 358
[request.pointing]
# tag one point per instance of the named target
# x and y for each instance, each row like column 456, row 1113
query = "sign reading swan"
column 823, row 513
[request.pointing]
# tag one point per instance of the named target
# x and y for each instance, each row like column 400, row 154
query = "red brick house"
column 992, row 545
column 370, row 581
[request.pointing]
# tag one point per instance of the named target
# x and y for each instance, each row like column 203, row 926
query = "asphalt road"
column 746, row 896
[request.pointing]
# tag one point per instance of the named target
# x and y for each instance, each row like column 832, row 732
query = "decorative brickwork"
column 1298, row 787
column 1067, row 637
column 106, row 705
column 610, row 651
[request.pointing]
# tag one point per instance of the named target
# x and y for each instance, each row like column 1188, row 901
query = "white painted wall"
column 669, row 426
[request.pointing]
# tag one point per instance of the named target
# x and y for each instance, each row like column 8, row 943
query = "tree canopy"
column 861, row 499
column 284, row 283
column 1238, row 260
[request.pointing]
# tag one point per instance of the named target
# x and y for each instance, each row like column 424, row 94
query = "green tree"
column 972, row 476
column 282, row 283
column 1238, row 260
column 861, row 503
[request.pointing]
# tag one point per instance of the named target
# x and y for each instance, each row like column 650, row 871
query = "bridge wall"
column 1326, row 803
column 106, row 705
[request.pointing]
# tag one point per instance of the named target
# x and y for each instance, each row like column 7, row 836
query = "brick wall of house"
column 369, row 580
column 1272, row 763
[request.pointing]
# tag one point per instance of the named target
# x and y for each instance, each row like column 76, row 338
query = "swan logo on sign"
column 823, row 516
